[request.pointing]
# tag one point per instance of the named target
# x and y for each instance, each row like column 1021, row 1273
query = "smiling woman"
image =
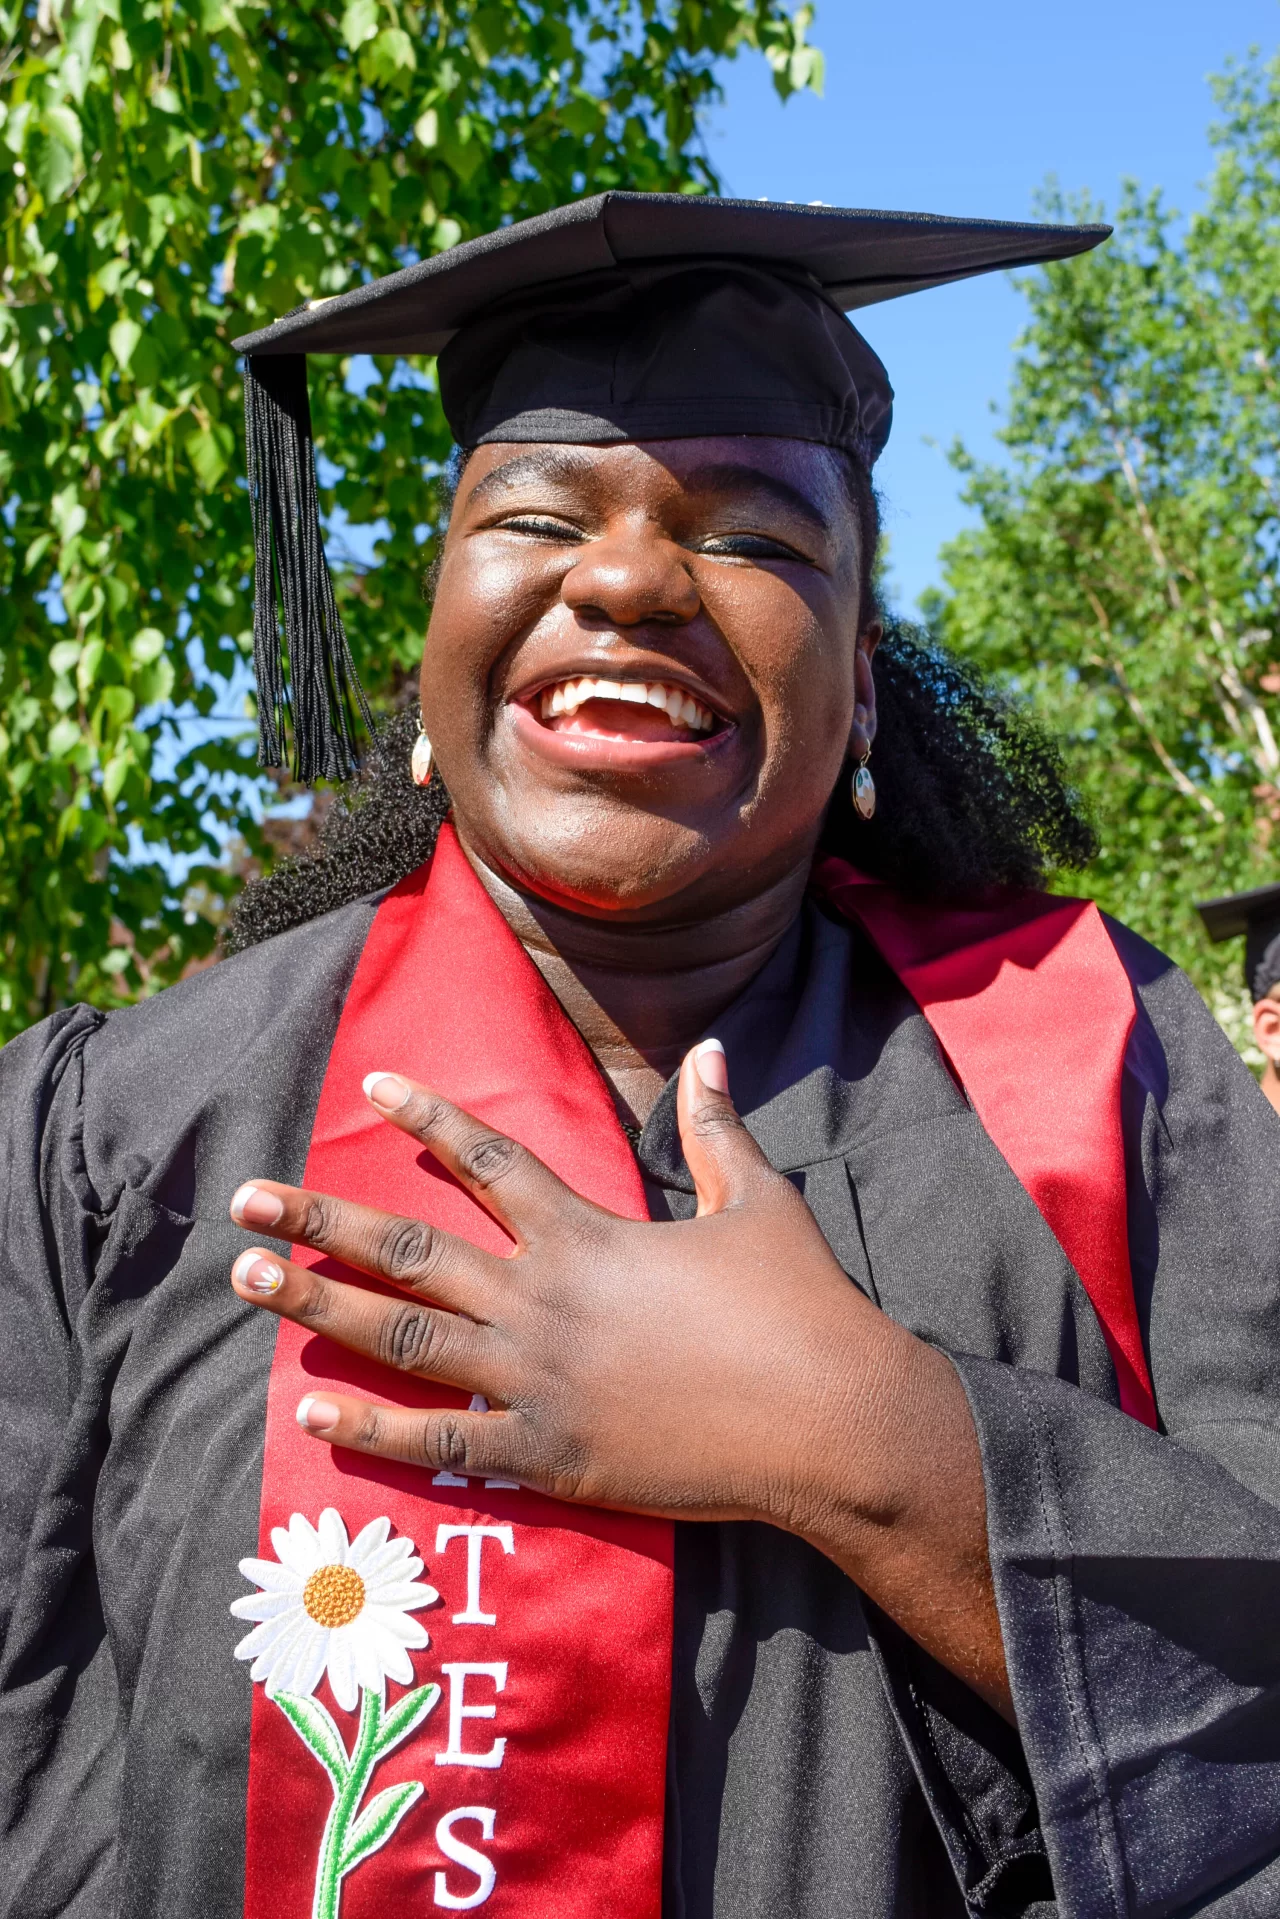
column 807, row 1299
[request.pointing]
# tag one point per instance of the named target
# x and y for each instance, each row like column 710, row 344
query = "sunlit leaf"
column 359, row 22
column 123, row 338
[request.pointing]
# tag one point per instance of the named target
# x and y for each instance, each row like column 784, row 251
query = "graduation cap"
column 1257, row 916
column 628, row 316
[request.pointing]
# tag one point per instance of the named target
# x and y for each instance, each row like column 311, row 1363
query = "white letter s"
column 463, row 1855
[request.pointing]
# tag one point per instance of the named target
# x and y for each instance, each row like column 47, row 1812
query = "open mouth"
column 639, row 712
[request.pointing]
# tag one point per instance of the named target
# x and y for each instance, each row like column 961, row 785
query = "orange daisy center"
column 334, row 1595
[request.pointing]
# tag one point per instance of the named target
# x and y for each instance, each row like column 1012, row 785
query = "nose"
column 631, row 575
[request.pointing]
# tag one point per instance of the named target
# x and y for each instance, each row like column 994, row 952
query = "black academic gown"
column 820, row 1765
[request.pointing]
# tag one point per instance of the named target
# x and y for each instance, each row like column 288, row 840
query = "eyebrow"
column 730, row 475
column 563, row 463
column 543, row 463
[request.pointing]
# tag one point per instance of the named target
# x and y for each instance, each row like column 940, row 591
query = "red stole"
column 571, row 1680
column 582, row 1603
column 1032, row 1006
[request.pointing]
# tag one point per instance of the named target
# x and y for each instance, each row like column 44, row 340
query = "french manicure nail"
column 254, row 1207
column 317, row 1415
column 387, row 1091
column 713, row 1068
column 256, row 1274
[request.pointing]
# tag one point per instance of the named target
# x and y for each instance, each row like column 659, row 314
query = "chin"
column 605, row 859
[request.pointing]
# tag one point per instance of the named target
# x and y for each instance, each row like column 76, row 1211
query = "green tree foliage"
column 172, row 173
column 1123, row 571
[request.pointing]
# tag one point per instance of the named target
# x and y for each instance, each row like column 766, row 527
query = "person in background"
column 1257, row 916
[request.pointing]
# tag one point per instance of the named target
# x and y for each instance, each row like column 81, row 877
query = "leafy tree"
column 172, row 173
column 1123, row 571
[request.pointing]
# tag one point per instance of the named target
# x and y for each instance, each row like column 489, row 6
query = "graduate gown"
column 819, row 1764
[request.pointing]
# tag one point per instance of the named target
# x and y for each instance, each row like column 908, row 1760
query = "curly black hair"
column 971, row 796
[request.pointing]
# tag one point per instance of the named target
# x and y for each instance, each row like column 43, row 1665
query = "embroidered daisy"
column 327, row 1603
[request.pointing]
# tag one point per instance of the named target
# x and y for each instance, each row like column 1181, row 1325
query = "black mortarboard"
column 630, row 316
column 1257, row 916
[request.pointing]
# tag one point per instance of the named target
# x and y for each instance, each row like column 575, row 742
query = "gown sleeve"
column 58, row 1702
column 1137, row 1573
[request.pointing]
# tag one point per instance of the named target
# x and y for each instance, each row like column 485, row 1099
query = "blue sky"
column 933, row 107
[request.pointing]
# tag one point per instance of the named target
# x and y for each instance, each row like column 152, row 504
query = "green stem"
column 346, row 1804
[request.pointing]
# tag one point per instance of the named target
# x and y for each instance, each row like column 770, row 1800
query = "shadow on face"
column 645, row 666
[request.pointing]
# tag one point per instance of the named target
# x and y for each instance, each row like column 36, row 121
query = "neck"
column 640, row 995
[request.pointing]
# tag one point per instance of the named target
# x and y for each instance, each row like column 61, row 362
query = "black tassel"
column 308, row 686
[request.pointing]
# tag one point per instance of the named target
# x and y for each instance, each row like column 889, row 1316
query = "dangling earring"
column 420, row 760
column 864, row 788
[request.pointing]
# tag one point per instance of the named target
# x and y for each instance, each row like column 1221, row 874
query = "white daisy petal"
column 395, row 1572
column 391, row 1558
column 408, row 1597
column 272, row 1577
column 333, row 1538
column 369, row 1668
column 367, row 1543
column 263, row 1605
column 297, row 1546
column 394, row 1659
column 261, row 1639
column 404, row 1630
column 276, row 1638
column 342, row 1669
column 277, row 1655
column 309, row 1660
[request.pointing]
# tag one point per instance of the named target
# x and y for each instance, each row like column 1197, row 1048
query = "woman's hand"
column 719, row 1368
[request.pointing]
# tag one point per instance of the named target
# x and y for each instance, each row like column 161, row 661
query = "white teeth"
column 681, row 709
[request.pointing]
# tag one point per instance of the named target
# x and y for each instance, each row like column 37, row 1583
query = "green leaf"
column 155, row 682
column 91, row 658
column 64, row 124
column 52, row 165
column 378, row 1821
column 391, row 55
column 63, row 739
column 406, row 1716
column 122, row 339
column 359, row 22
column 63, row 656
column 426, row 128
column 316, row 1727
column 117, row 703
column 66, row 512
column 210, row 452
column 116, row 960
column 147, row 645
column 114, row 775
